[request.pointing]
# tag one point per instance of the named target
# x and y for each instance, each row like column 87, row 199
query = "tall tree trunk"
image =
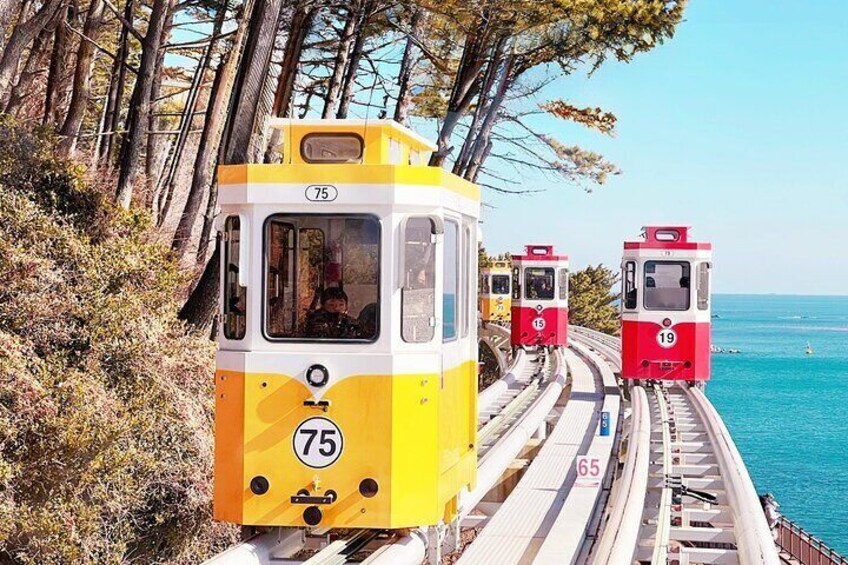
column 483, row 144
column 112, row 121
column 259, row 138
column 200, row 307
column 23, row 34
column 168, row 181
column 465, row 87
column 82, row 78
column 301, row 25
column 210, row 142
column 208, row 222
column 482, row 105
column 340, row 64
column 8, row 9
column 153, row 155
column 133, row 143
column 251, row 80
column 406, row 66
column 356, row 52
column 58, row 67
column 34, row 66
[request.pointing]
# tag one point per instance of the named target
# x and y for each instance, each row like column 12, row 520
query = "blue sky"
column 737, row 126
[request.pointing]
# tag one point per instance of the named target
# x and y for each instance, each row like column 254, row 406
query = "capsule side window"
column 418, row 285
column 563, row 284
column 467, row 281
column 484, row 284
column 235, row 294
column 450, row 292
column 516, row 283
column 630, row 290
column 704, row 285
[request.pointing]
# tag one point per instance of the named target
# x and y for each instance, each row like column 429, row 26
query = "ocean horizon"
column 783, row 406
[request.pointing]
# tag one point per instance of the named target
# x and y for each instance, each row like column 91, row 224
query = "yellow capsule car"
column 346, row 376
column 496, row 292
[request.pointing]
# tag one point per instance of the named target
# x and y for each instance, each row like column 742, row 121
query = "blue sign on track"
column 605, row 424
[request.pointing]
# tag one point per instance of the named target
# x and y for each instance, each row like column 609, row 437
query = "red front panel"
column 548, row 327
column 681, row 352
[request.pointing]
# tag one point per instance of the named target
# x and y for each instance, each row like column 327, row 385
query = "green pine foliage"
column 592, row 299
column 106, row 444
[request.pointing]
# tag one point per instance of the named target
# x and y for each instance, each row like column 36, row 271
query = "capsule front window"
column 539, row 283
column 500, row 285
column 322, row 275
column 667, row 285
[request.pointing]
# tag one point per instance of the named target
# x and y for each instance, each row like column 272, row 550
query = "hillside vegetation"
column 105, row 400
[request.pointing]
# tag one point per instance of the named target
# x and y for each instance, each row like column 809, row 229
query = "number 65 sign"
column 588, row 471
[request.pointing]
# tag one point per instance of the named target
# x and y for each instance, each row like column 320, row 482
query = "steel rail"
column 753, row 539
column 621, row 533
column 661, row 538
column 607, row 345
column 487, row 398
column 493, row 463
column 500, row 357
column 493, row 336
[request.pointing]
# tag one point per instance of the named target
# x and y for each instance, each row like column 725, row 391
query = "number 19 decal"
column 321, row 193
column 667, row 338
column 318, row 442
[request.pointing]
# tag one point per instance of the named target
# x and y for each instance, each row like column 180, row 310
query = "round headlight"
column 317, row 375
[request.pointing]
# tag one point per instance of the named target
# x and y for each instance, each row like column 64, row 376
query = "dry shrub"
column 105, row 400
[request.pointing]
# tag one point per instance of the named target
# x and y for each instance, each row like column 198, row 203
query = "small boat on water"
column 809, row 349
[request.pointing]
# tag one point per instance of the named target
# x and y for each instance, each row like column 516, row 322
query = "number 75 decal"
column 321, row 193
column 318, row 442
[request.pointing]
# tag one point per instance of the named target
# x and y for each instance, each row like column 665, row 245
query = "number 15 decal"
column 321, row 193
column 318, row 442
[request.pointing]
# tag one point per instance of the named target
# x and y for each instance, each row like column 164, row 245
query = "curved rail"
column 495, row 337
column 487, row 398
column 661, row 538
column 618, row 543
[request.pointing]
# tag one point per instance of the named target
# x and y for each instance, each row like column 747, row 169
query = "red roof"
column 539, row 253
column 666, row 237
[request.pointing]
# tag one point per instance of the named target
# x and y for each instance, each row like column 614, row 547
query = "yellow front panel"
column 410, row 433
column 496, row 308
column 360, row 406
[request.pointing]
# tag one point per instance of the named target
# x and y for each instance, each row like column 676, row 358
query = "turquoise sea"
column 788, row 411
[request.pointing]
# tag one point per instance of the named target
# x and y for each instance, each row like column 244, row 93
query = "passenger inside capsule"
column 332, row 320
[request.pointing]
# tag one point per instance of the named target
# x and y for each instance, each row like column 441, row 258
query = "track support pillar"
column 435, row 538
